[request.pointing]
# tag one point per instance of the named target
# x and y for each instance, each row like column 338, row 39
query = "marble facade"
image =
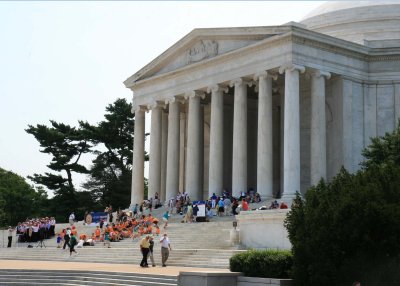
column 270, row 108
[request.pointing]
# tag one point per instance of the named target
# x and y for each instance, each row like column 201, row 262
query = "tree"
column 383, row 149
column 19, row 200
column 111, row 172
column 66, row 145
column 348, row 229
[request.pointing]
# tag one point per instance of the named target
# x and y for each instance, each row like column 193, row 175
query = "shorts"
column 164, row 219
column 221, row 209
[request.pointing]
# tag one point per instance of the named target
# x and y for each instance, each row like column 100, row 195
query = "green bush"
column 349, row 229
column 263, row 263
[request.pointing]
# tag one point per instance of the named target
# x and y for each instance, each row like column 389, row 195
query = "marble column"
column 137, row 192
column 182, row 148
column 172, row 183
column 264, row 136
column 155, row 152
column 164, row 144
column 239, row 156
column 216, row 164
column 193, row 160
column 291, row 144
column 318, row 127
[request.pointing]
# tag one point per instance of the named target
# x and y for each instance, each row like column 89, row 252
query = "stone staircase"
column 205, row 244
column 71, row 277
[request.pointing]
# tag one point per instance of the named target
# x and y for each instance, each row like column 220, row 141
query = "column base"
column 267, row 198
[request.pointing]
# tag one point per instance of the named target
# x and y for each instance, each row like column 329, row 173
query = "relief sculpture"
column 202, row 50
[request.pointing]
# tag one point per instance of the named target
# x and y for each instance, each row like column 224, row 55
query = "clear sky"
column 66, row 61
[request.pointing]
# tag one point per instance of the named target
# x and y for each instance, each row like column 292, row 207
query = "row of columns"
column 291, row 144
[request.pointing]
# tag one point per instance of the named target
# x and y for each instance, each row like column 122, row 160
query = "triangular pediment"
column 203, row 44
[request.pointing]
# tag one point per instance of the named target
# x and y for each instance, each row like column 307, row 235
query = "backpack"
column 73, row 241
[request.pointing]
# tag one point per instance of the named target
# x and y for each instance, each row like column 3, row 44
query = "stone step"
column 45, row 277
column 205, row 262
column 208, row 258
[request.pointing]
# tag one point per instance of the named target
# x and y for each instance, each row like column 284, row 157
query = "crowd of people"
column 137, row 224
column 138, row 227
column 36, row 229
column 217, row 205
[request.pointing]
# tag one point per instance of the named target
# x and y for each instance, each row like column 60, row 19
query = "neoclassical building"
column 270, row 108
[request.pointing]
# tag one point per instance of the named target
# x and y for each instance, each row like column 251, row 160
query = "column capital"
column 217, row 87
column 291, row 67
column 264, row 74
column 240, row 81
column 320, row 73
column 195, row 93
column 173, row 99
column 136, row 108
column 156, row 104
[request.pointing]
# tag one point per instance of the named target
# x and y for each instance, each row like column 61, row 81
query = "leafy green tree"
column 66, row 145
column 18, row 199
column 383, row 149
column 348, row 229
column 111, row 172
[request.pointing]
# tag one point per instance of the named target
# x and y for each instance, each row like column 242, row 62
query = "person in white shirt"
column 10, row 235
column 165, row 248
column 72, row 218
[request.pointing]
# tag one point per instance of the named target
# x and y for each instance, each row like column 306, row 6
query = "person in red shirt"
column 283, row 205
column 245, row 205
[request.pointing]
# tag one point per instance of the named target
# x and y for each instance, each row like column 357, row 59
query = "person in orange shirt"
column 141, row 230
column 283, row 205
column 74, row 231
column 157, row 230
column 245, row 205
column 97, row 233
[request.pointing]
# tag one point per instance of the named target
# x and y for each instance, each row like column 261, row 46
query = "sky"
column 66, row 61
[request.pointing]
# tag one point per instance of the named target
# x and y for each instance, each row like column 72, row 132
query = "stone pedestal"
column 263, row 229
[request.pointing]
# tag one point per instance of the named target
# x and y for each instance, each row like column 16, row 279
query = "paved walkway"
column 58, row 265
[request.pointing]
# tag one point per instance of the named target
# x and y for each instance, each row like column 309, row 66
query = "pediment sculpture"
column 202, row 50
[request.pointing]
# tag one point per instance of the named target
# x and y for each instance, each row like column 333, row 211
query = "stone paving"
column 114, row 267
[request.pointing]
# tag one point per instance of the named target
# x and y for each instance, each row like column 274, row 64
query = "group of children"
column 130, row 228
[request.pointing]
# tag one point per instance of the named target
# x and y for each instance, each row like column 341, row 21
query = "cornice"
column 269, row 42
column 295, row 35
column 335, row 47
column 238, row 33
column 384, row 58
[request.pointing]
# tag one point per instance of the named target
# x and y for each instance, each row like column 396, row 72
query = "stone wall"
column 263, row 229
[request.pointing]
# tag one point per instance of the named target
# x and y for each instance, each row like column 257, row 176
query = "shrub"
column 263, row 263
column 348, row 229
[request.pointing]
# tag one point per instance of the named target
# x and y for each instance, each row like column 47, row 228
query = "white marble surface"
column 263, row 229
column 362, row 97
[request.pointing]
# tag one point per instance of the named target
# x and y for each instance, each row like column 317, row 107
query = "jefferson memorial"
column 272, row 108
